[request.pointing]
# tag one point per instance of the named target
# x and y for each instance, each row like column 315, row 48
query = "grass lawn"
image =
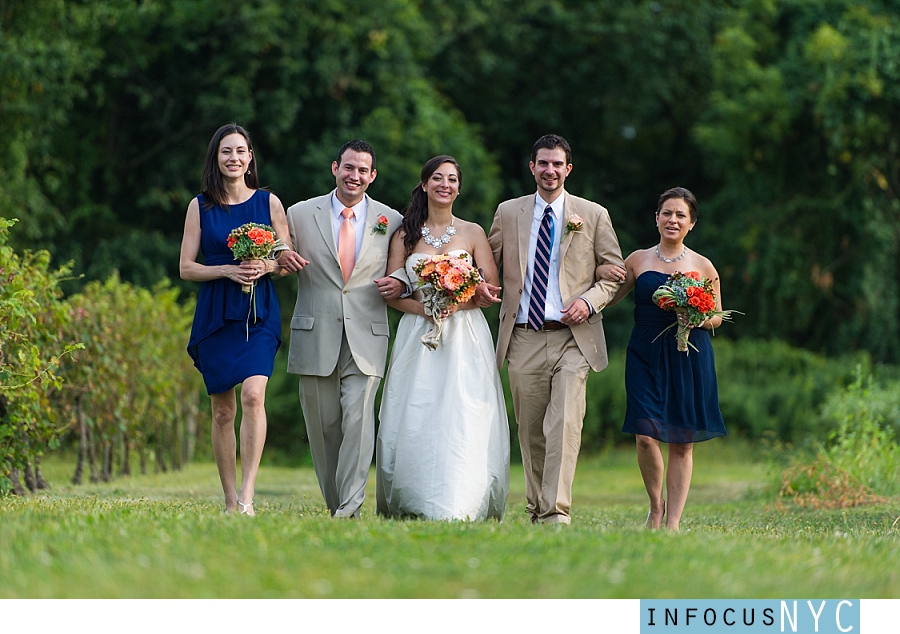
column 165, row 536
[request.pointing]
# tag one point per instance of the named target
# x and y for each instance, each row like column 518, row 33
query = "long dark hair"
column 417, row 211
column 684, row 194
column 212, row 187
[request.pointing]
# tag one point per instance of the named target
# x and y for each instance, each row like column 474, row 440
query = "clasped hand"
column 486, row 295
column 684, row 320
column 291, row 261
column 250, row 270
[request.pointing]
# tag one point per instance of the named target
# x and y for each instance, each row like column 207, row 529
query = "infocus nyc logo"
column 750, row 616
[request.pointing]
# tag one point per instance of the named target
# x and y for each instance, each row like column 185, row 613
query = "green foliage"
column 45, row 56
column 802, row 133
column 125, row 380
column 769, row 389
column 133, row 387
column 863, row 440
column 302, row 77
column 166, row 536
column 32, row 320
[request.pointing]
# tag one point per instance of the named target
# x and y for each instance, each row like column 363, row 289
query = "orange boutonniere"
column 381, row 225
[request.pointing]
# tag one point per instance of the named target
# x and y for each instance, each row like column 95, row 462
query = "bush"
column 32, row 318
column 862, row 442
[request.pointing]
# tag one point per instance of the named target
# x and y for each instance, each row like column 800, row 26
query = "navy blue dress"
column 672, row 396
column 228, row 342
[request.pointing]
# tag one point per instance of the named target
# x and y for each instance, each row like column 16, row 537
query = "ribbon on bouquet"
column 251, row 309
column 434, row 301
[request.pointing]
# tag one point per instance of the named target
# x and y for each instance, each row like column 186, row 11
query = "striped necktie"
column 541, row 271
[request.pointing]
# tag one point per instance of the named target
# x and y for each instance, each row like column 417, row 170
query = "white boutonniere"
column 575, row 224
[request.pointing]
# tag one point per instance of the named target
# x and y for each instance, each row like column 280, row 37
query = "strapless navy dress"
column 229, row 342
column 672, row 396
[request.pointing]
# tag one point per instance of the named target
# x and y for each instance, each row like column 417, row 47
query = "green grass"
column 165, row 535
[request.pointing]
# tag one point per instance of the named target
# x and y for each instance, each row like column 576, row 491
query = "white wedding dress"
column 443, row 443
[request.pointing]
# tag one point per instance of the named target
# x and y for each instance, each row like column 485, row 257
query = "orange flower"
column 453, row 279
column 694, row 275
column 666, row 303
column 442, row 267
column 466, row 295
column 427, row 269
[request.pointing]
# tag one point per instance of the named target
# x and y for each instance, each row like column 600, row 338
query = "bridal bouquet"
column 253, row 241
column 692, row 295
column 444, row 280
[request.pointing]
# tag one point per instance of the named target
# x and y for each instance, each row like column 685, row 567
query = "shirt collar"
column 557, row 205
column 337, row 207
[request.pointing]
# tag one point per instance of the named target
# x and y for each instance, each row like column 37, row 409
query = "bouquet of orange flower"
column 692, row 295
column 253, row 241
column 444, row 280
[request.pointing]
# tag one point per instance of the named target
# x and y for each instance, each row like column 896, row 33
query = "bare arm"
column 287, row 261
column 192, row 270
column 716, row 321
column 396, row 260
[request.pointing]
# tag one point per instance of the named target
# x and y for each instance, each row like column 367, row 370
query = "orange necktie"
column 347, row 244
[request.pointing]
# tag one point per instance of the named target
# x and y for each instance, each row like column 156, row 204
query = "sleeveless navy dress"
column 228, row 342
column 672, row 396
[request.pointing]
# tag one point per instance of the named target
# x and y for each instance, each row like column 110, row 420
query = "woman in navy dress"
column 672, row 396
column 232, row 341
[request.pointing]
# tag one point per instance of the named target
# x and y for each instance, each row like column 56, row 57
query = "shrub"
column 32, row 317
column 861, row 442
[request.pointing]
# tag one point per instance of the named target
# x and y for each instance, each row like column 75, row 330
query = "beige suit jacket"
column 326, row 308
column 579, row 254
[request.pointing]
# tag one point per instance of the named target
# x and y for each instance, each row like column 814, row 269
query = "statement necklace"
column 670, row 260
column 437, row 243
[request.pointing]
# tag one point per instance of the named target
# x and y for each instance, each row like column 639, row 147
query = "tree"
column 802, row 133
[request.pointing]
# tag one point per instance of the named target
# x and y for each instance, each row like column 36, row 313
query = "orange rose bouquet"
column 444, row 280
column 253, row 241
column 692, row 295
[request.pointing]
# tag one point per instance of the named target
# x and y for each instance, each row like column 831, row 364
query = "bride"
column 443, row 442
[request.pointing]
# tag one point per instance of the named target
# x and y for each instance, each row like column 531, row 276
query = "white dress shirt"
column 554, row 304
column 358, row 221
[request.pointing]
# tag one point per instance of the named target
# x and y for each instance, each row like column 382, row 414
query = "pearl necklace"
column 437, row 243
column 670, row 260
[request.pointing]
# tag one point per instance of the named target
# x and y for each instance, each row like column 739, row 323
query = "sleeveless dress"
column 442, row 451
column 672, row 396
column 228, row 341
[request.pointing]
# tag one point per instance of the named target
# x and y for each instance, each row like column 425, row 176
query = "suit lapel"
column 524, row 218
column 323, row 221
column 569, row 209
column 372, row 213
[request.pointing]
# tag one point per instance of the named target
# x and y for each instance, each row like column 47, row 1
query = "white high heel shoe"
column 246, row 509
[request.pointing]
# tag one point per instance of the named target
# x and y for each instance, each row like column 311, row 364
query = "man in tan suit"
column 339, row 329
column 548, row 245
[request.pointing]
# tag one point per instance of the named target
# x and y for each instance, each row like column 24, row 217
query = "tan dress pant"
column 547, row 376
column 340, row 421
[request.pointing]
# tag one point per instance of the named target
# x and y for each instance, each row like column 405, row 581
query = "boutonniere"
column 381, row 225
column 575, row 224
